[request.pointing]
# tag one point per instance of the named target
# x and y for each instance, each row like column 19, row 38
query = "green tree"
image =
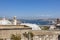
column 1, row 39
column 28, row 35
column 45, row 28
column 15, row 37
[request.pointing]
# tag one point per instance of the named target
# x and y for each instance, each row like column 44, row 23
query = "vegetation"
column 1, row 39
column 45, row 28
column 15, row 37
column 28, row 34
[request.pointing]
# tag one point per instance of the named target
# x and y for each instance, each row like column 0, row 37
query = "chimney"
column 14, row 20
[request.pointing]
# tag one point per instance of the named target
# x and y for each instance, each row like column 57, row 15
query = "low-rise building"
column 8, row 28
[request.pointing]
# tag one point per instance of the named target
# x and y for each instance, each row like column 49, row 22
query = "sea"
column 38, row 22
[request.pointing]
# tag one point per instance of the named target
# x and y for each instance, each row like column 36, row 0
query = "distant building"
column 7, row 28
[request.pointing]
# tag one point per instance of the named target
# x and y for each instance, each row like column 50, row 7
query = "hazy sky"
column 30, row 8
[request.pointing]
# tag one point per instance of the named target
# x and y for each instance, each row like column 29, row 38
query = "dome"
column 5, row 22
column 33, row 26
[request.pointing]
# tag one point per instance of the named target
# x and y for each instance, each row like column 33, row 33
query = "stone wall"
column 6, row 34
column 7, row 31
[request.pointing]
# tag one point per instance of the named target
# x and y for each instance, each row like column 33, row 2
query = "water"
column 39, row 22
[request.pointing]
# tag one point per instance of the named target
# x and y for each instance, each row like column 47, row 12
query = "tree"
column 45, row 28
column 1, row 39
column 28, row 35
column 15, row 37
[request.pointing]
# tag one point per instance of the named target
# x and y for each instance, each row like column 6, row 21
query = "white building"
column 7, row 28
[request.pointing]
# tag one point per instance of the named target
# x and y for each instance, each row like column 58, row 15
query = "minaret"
column 4, row 18
column 14, row 20
column 58, row 21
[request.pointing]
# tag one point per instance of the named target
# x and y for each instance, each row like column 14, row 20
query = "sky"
column 30, row 8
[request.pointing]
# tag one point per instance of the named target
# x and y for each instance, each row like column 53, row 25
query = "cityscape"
column 29, row 19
